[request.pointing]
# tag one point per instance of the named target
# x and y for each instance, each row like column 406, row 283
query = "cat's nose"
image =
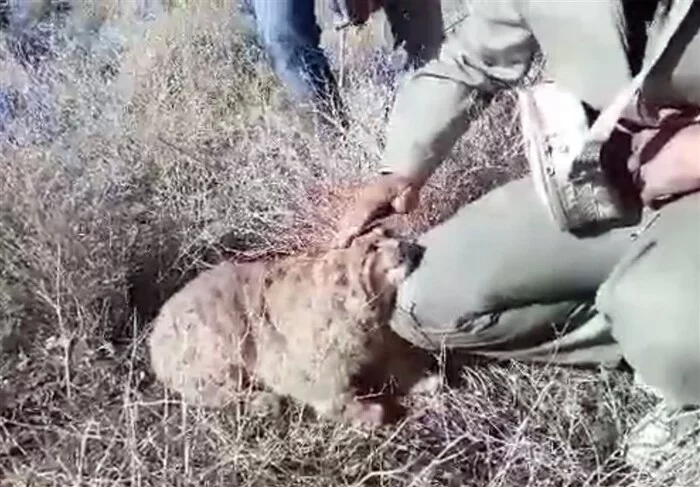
column 411, row 252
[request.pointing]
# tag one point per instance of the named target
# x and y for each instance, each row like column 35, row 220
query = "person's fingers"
column 359, row 220
column 639, row 142
column 352, row 225
column 347, row 235
column 349, row 229
column 388, row 195
column 650, row 183
column 407, row 200
column 662, row 178
column 657, row 188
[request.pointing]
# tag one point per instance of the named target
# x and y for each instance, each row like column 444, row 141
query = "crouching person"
column 586, row 261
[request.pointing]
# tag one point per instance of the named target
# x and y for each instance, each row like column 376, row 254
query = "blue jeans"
column 290, row 35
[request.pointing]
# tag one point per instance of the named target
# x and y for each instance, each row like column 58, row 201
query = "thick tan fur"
column 311, row 328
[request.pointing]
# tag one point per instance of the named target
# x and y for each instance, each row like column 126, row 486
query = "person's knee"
column 656, row 321
column 433, row 321
column 427, row 320
column 433, row 335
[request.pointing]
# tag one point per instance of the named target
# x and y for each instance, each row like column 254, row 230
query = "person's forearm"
column 491, row 49
column 429, row 116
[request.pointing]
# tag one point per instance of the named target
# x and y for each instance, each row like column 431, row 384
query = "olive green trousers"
column 500, row 279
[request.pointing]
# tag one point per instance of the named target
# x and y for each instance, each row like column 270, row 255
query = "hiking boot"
column 665, row 444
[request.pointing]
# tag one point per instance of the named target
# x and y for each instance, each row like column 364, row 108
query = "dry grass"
column 144, row 151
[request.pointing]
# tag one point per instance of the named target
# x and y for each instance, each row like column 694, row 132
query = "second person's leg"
column 417, row 26
column 291, row 37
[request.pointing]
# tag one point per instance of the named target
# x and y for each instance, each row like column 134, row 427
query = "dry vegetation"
column 145, row 149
